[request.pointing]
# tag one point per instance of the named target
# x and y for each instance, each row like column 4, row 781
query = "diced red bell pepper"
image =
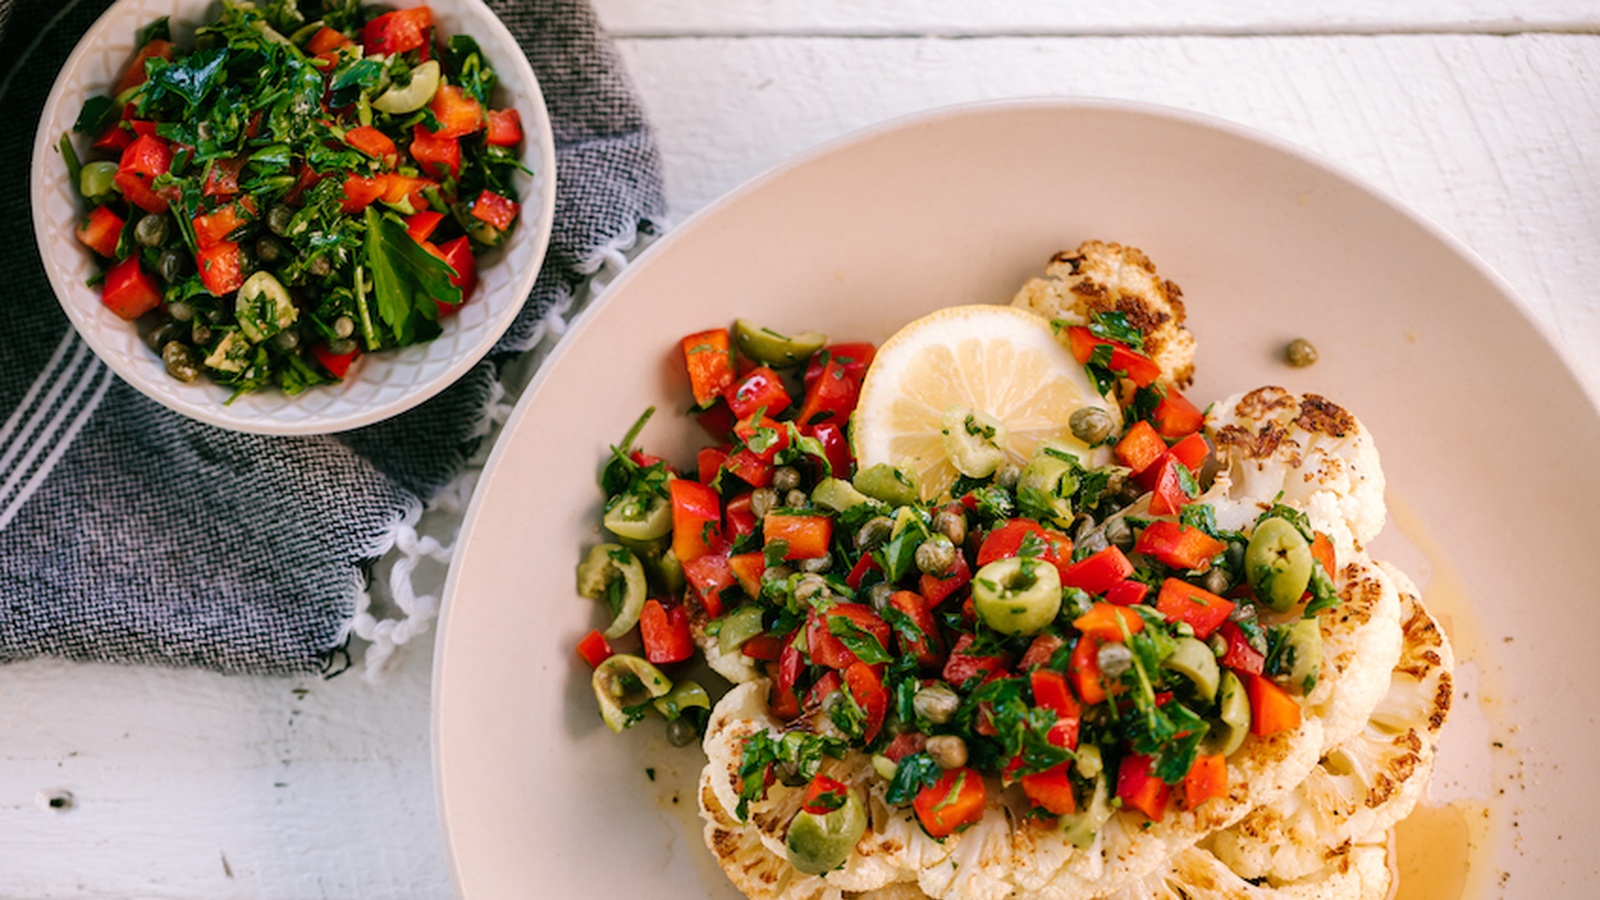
column 748, row 569
column 1097, row 572
column 1168, row 494
column 761, row 391
column 373, row 143
column 709, row 574
column 135, row 74
column 835, row 446
column 824, row 795
column 458, row 114
column 1207, row 778
column 708, row 463
column 422, row 225
column 496, row 210
column 1140, row 447
column 213, row 228
column 1050, row 692
column 664, row 630
column 854, row 357
column 804, row 537
column 360, row 192
column 738, row 519
column 935, row 589
column 1006, row 541
column 505, row 128
column 147, row 155
column 771, row 436
column 866, row 688
column 926, row 644
column 749, row 467
column 1271, row 708
column 1191, row 451
column 1139, row 787
column 1127, row 593
column 904, row 744
column 115, row 138
column 858, row 572
column 221, row 268
column 437, row 156
column 128, row 290
column 399, row 188
column 137, row 190
column 953, row 802
column 963, row 666
column 457, row 254
column 304, row 180
column 1051, row 790
column 696, row 518
column 398, row 31
column 827, row 649
column 337, row 364
column 593, row 647
column 1322, row 551
column 1140, row 369
column 1041, row 651
column 710, row 363
column 327, row 40
column 831, row 397
column 1240, row 656
column 1178, row 545
column 222, row 179
column 1083, row 668
column 1175, row 417
column 1107, row 622
column 1181, row 601
column 100, row 231
column 764, row 647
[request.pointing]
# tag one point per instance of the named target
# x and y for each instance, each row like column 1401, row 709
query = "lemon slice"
column 1001, row 361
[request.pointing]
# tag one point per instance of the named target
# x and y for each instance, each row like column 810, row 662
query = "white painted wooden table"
column 1482, row 114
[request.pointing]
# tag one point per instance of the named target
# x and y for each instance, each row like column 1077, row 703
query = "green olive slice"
column 1194, row 660
column 1232, row 724
column 1016, row 595
column 97, row 180
column 1278, row 563
column 1300, row 649
column 613, row 573
column 974, row 440
column 685, row 694
column 819, row 843
column 1048, row 481
column 637, row 518
column 1082, row 826
column 738, row 627
column 890, row 484
column 263, row 307
column 838, row 495
column 770, row 348
column 414, row 94
column 624, row 683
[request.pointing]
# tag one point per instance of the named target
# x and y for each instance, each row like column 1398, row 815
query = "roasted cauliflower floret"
column 1367, row 783
column 1361, row 639
column 1311, row 451
column 1103, row 277
column 1359, row 873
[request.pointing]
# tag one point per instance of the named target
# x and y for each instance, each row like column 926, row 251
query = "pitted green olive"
column 1194, row 660
column 770, row 348
column 1048, row 482
column 819, row 843
column 413, row 95
column 686, row 694
column 974, row 440
column 1278, row 563
column 613, row 573
column 1229, row 729
column 626, row 682
column 97, row 180
column 264, row 307
column 1301, row 652
column 1016, row 595
column 891, row 484
column 637, row 518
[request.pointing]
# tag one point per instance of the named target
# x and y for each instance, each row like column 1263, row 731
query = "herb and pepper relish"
column 305, row 183
column 1086, row 630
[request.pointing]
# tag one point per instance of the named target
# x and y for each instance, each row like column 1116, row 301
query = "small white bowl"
column 379, row 385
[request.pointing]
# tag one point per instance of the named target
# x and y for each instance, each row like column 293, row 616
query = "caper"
column 1094, row 541
column 1114, row 659
column 763, row 501
column 171, row 265
column 180, row 311
column 200, row 333
column 936, row 556
column 878, row 596
column 343, row 327
column 1017, row 596
column 269, row 249
column 796, row 499
column 948, row 750
column 1216, row 581
column 785, row 478
column 776, row 573
column 874, row 533
column 341, row 347
column 278, row 219
column 320, row 266
column 952, row 523
column 815, row 564
column 152, row 230
column 1278, row 562
column 158, row 336
column 810, row 588
column 286, row 340
column 1091, row 424
column 1006, row 476
column 936, row 702
column 179, row 360
column 1300, row 353
column 1118, row 532
column 681, row 732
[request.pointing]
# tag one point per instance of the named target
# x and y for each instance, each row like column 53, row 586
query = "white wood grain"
column 187, row 784
column 946, row 18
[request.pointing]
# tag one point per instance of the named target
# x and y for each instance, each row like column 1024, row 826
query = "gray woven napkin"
column 129, row 533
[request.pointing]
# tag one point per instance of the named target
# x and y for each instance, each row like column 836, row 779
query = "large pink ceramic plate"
column 1485, row 435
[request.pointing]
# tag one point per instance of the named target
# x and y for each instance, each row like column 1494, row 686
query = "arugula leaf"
column 406, row 279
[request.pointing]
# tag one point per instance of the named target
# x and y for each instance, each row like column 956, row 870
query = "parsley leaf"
column 406, row 279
